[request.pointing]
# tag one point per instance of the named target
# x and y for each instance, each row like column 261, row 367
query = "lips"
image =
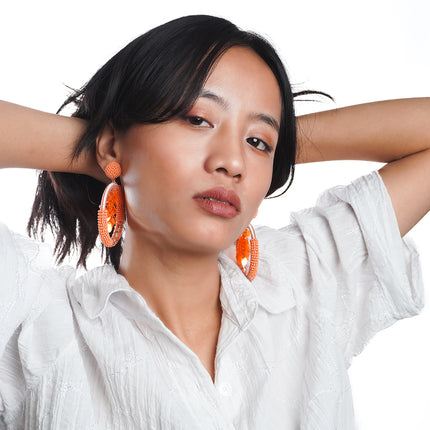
column 219, row 201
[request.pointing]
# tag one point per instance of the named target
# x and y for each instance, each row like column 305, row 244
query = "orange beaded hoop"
column 247, row 253
column 111, row 215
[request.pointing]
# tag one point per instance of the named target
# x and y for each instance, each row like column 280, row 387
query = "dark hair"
column 155, row 78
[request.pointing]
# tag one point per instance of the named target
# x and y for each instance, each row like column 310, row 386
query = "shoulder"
column 27, row 264
column 352, row 269
column 21, row 255
column 33, row 290
column 332, row 236
column 340, row 214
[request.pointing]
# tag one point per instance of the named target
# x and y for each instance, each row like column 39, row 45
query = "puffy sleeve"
column 363, row 276
column 22, row 268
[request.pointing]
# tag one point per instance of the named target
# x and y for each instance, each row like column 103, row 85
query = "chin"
column 208, row 242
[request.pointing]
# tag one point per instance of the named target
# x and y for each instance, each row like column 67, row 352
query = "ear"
column 107, row 146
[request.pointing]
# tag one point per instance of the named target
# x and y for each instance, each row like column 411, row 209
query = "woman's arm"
column 38, row 140
column 396, row 132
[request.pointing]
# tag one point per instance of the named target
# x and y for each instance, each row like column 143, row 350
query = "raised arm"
column 396, row 132
column 38, row 140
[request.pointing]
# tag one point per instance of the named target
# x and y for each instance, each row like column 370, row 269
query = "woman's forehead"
column 241, row 75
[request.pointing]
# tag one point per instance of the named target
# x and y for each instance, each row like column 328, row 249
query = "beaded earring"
column 247, row 252
column 111, row 215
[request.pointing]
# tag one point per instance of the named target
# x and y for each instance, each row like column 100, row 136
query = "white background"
column 356, row 51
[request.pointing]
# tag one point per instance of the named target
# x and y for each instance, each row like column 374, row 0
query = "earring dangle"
column 111, row 215
column 247, row 252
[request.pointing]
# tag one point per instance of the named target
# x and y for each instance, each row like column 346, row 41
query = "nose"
column 227, row 154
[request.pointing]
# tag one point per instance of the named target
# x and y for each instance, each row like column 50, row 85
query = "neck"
column 181, row 288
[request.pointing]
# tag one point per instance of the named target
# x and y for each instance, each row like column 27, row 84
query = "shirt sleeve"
column 363, row 275
column 22, row 264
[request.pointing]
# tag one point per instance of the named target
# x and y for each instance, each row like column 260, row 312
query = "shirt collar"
column 239, row 297
column 272, row 288
column 94, row 289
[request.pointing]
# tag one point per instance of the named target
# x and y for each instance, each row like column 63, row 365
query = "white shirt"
column 88, row 353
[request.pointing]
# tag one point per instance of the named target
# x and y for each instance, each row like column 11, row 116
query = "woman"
column 196, row 117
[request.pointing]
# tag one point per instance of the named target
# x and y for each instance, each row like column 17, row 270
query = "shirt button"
column 225, row 389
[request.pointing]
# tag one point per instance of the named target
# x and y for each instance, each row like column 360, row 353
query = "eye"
column 259, row 144
column 198, row 121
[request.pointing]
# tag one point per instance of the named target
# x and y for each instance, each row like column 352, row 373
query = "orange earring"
column 111, row 215
column 247, row 252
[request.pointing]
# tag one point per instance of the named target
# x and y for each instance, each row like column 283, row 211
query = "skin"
column 225, row 140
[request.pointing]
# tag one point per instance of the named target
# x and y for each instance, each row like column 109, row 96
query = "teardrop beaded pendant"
column 247, row 253
column 111, row 214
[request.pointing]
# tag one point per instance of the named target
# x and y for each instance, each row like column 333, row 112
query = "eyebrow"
column 267, row 119
column 216, row 98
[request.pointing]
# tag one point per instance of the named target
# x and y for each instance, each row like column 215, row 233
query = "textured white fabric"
column 88, row 353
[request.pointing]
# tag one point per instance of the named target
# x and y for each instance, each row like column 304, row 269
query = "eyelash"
column 197, row 120
column 254, row 141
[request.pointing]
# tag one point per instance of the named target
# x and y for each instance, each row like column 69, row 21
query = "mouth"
column 219, row 201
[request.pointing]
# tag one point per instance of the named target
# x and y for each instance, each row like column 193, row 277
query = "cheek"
column 261, row 178
column 155, row 179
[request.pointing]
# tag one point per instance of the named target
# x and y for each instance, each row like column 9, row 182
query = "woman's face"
column 196, row 182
